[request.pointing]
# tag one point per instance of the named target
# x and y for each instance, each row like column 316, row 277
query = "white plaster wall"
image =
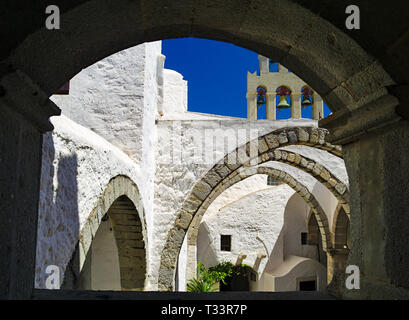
column 108, row 97
column 276, row 215
column 295, row 269
column 325, row 198
column 174, row 94
column 240, row 189
column 185, row 153
column 77, row 165
column 101, row 269
column 295, row 221
column 255, row 222
column 117, row 98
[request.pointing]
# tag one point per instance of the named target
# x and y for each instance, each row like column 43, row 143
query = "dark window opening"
column 225, row 242
column 308, row 285
column 304, row 238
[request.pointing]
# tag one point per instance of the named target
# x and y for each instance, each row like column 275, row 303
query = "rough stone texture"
column 76, row 167
column 327, row 200
column 118, row 87
column 50, row 58
column 19, row 188
column 378, row 213
column 185, row 156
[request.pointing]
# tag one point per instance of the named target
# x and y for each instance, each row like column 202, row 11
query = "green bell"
column 283, row 103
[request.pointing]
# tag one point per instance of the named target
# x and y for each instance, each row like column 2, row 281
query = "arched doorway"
column 116, row 259
column 111, row 252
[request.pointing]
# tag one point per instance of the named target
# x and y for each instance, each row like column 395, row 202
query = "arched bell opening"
column 307, row 101
column 283, row 102
column 261, row 103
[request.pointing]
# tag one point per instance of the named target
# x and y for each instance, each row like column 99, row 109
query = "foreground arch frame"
column 35, row 62
column 122, row 203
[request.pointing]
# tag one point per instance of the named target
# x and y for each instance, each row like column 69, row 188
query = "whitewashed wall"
column 117, row 100
column 77, row 165
column 254, row 222
column 268, row 222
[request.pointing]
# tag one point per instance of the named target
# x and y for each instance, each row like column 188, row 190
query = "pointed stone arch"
column 188, row 221
column 338, row 255
column 228, row 170
column 122, row 204
column 340, row 228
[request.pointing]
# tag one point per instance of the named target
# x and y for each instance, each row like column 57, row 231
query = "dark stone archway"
column 347, row 68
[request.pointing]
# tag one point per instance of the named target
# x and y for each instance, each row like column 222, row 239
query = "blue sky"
column 216, row 73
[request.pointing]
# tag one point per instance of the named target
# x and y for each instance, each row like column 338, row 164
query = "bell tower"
column 264, row 87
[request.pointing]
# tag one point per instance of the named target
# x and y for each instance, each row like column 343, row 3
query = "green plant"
column 204, row 281
column 195, row 285
column 207, row 278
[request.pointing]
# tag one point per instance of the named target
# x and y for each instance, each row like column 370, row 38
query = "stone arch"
column 346, row 79
column 191, row 221
column 272, row 35
column 254, row 152
column 313, row 237
column 338, row 188
column 341, row 229
column 338, row 255
column 312, row 229
column 265, row 149
column 122, row 204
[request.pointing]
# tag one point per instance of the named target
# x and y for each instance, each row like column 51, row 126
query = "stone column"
column 296, row 105
column 251, row 106
column 375, row 143
column 25, row 112
column 317, row 107
column 336, row 264
column 378, row 168
column 271, row 106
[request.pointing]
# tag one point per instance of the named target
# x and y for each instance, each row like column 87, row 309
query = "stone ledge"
column 41, row 294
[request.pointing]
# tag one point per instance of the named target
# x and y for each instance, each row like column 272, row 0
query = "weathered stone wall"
column 184, row 155
column 117, row 99
column 77, row 166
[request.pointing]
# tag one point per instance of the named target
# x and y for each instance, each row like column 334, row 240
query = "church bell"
column 261, row 100
column 306, row 97
column 283, row 103
column 306, row 100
